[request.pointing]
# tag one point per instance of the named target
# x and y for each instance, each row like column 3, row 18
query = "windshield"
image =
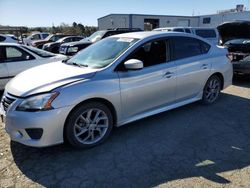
column 96, row 36
column 102, row 53
column 39, row 52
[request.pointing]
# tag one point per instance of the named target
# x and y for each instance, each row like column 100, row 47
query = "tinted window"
column 2, row 38
column 206, row 20
column 178, row 30
column 152, row 53
column 186, row 47
column 187, row 31
column 16, row 54
column 36, row 37
column 2, row 53
column 41, row 53
column 206, row 33
column 45, row 35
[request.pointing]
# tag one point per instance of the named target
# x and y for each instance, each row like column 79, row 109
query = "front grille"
column 7, row 101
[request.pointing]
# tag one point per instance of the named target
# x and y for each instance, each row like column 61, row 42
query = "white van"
column 211, row 34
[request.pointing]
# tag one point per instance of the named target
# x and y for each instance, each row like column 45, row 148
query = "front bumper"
column 51, row 122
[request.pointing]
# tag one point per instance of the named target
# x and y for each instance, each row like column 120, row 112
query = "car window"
column 152, row 53
column 16, row 54
column 45, row 35
column 187, row 31
column 206, row 33
column 68, row 40
column 36, row 37
column 39, row 52
column 184, row 47
column 2, row 38
column 2, row 54
column 178, row 30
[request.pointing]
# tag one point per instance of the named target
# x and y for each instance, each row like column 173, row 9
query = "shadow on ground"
column 191, row 141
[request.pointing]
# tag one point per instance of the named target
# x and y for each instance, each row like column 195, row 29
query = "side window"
column 205, row 47
column 2, row 54
column 2, row 38
column 36, row 37
column 68, row 40
column 178, row 30
column 152, row 53
column 15, row 54
column 185, row 47
column 187, row 31
column 45, row 35
column 206, row 33
column 109, row 34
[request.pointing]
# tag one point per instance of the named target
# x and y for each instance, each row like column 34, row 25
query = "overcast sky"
column 48, row 12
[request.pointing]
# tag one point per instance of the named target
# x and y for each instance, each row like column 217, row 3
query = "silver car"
column 118, row 80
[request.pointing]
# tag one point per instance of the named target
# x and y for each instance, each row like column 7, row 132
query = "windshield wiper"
column 76, row 64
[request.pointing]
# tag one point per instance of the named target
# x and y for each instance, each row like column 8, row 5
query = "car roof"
column 9, row 44
column 146, row 34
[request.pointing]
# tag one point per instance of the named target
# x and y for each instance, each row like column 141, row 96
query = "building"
column 149, row 22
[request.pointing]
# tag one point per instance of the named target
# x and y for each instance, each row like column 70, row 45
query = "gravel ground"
column 192, row 146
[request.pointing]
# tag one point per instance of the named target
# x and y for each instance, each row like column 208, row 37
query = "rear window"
column 206, row 33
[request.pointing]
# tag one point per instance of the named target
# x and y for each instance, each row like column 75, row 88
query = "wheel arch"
column 221, row 77
column 100, row 100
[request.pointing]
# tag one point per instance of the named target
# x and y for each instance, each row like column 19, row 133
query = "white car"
column 15, row 58
column 35, row 36
column 8, row 38
column 115, row 81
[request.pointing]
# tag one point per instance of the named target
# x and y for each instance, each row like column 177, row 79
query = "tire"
column 88, row 125
column 211, row 90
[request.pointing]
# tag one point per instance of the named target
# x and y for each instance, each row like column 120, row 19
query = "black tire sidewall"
column 69, row 125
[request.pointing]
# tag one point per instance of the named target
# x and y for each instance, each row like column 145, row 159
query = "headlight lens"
column 38, row 103
column 73, row 49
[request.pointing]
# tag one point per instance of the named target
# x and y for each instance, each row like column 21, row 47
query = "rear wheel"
column 89, row 125
column 211, row 90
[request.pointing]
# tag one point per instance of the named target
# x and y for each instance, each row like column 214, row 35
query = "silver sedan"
column 118, row 80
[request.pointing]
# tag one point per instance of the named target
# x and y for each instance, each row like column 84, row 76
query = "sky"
column 33, row 13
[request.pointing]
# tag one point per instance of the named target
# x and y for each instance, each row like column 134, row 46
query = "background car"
column 8, row 38
column 15, row 58
column 34, row 37
column 50, row 38
column 211, row 34
column 74, row 47
column 235, row 36
column 54, row 46
column 115, row 81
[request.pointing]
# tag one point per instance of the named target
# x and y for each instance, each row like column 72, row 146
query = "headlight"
column 73, row 49
column 38, row 103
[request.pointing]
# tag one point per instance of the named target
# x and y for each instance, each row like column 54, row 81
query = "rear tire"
column 212, row 90
column 88, row 125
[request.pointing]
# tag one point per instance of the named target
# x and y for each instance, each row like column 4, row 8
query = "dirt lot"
column 193, row 146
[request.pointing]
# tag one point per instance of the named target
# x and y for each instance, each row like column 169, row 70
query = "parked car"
column 50, row 38
column 211, row 34
column 8, row 38
column 15, row 58
column 235, row 36
column 115, row 81
column 54, row 46
column 74, row 47
column 34, row 37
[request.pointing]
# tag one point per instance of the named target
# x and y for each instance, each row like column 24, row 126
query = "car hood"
column 234, row 30
column 46, row 77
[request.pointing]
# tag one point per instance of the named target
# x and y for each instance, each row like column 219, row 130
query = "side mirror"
column 133, row 64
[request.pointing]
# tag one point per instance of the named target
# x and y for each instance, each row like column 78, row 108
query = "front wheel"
column 211, row 90
column 88, row 125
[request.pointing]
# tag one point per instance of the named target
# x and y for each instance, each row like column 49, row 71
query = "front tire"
column 88, row 125
column 212, row 90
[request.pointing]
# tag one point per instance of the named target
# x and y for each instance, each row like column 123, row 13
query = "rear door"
column 192, row 64
column 4, row 73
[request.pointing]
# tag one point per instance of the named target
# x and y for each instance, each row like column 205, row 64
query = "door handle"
column 168, row 75
column 204, row 66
